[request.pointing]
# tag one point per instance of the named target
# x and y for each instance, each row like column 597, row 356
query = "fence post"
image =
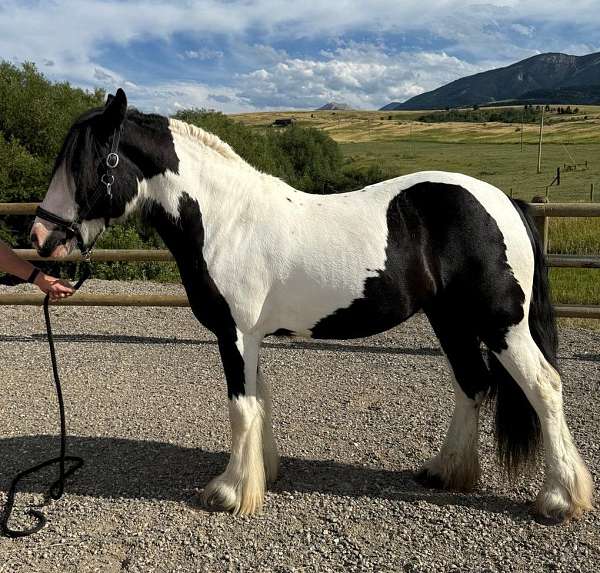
column 542, row 223
column 539, row 165
column 591, row 192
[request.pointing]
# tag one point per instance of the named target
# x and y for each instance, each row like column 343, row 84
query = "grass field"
column 503, row 165
column 399, row 144
column 369, row 126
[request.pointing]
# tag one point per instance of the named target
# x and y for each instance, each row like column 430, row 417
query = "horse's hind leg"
column 568, row 486
column 456, row 466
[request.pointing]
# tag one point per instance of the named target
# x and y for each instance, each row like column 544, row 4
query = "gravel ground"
column 147, row 410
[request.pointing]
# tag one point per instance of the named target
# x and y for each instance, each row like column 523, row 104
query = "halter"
column 73, row 228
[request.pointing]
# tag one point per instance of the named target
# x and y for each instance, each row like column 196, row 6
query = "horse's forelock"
column 80, row 133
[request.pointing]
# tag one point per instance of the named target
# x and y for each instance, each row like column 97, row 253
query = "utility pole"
column 539, row 166
column 522, row 112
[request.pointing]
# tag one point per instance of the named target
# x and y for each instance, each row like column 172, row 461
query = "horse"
column 259, row 258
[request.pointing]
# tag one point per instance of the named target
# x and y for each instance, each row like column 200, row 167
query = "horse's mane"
column 206, row 138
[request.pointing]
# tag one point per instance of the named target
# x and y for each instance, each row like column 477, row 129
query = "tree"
column 35, row 115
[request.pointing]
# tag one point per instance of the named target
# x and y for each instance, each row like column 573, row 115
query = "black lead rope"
column 72, row 228
column 56, row 490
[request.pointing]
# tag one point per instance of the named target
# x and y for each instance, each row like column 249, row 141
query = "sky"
column 254, row 55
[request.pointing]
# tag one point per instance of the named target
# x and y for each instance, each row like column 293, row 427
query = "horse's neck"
column 211, row 183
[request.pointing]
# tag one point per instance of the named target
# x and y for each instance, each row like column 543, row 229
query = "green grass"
column 577, row 236
column 502, row 165
column 575, row 286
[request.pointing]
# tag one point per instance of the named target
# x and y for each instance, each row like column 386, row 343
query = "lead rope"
column 56, row 490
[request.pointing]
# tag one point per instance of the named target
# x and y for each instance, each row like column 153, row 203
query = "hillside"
column 544, row 77
column 334, row 106
column 369, row 126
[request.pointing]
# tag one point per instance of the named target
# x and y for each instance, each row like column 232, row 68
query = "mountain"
column 334, row 106
column 541, row 74
column 568, row 95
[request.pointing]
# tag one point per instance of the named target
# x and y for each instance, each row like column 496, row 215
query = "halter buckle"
column 112, row 160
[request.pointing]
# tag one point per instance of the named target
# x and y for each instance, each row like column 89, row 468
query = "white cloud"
column 361, row 75
column 523, row 30
column 202, row 54
column 67, row 38
column 168, row 98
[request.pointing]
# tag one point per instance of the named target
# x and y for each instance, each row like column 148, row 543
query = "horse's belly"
column 381, row 306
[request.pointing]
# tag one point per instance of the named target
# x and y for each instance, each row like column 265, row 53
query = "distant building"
column 285, row 122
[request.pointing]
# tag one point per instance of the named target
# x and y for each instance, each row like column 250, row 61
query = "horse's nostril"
column 35, row 241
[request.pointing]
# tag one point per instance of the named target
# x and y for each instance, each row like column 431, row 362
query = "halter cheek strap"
column 73, row 228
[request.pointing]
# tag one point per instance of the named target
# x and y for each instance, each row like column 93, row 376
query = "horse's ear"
column 109, row 98
column 115, row 110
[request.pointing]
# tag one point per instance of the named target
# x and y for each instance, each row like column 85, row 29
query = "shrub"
column 508, row 115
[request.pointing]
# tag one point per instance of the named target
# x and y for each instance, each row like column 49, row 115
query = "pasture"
column 145, row 398
column 489, row 151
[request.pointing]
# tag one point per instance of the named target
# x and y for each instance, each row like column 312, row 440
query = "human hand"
column 56, row 288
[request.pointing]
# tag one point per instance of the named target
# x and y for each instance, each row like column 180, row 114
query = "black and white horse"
column 259, row 258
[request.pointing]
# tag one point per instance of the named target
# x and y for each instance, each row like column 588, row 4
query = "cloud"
column 202, row 54
column 523, row 30
column 103, row 77
column 168, row 98
column 363, row 76
column 268, row 53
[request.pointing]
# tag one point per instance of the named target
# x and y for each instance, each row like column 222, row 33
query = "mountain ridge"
column 539, row 73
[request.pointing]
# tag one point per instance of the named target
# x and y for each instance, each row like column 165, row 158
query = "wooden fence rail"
column 158, row 255
column 541, row 211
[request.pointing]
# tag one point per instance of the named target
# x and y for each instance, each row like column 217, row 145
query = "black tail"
column 518, row 432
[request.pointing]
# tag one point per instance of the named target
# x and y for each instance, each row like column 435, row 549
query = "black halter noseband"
column 73, row 228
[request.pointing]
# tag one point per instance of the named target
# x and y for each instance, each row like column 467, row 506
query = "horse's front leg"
column 241, row 487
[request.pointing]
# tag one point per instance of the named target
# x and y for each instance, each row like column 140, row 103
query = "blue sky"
column 245, row 55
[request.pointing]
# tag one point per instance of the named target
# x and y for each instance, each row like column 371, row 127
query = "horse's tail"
column 518, row 432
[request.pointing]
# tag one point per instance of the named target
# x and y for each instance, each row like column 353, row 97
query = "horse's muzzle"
column 54, row 243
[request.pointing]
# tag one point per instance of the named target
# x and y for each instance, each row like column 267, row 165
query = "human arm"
column 14, row 265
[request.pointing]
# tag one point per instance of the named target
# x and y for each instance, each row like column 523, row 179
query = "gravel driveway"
column 146, row 406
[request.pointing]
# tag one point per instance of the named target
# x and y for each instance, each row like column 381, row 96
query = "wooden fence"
column 542, row 212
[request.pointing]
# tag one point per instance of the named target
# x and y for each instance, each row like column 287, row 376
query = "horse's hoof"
column 547, row 511
column 218, row 496
column 547, row 520
column 429, row 480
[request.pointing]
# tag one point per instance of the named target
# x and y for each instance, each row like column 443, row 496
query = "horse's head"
column 78, row 192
